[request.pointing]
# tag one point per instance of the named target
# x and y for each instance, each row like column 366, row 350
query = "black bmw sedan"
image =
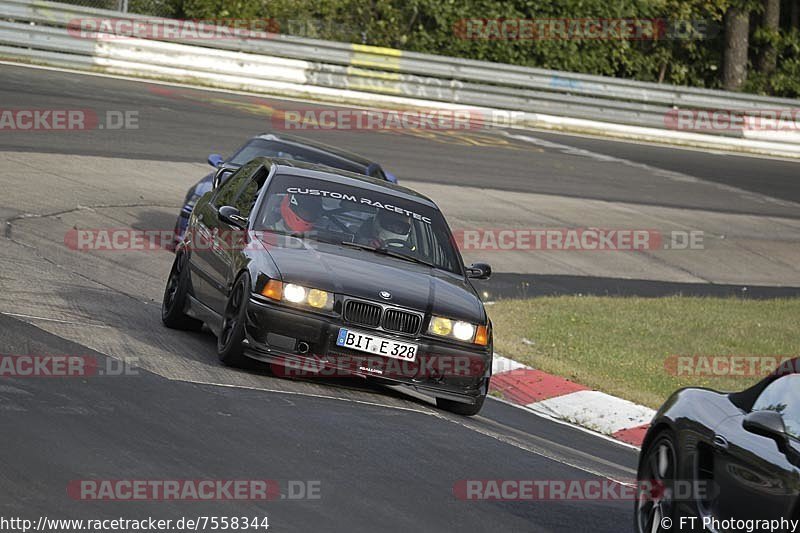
column 325, row 272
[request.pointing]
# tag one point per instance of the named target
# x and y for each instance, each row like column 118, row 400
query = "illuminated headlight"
column 297, row 294
column 459, row 330
column 463, row 331
column 294, row 293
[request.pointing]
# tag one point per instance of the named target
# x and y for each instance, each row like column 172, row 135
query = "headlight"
column 441, row 326
column 294, row 293
column 463, row 331
column 317, row 298
column 459, row 330
column 297, row 294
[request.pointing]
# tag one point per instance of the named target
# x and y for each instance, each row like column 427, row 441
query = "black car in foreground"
column 273, row 145
column 720, row 461
column 329, row 273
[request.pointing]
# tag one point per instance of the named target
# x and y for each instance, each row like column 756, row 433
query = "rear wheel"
column 461, row 408
column 175, row 294
column 229, row 343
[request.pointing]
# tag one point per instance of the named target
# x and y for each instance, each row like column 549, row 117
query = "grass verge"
column 622, row 346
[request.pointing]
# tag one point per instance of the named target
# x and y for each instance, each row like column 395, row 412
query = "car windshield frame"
column 430, row 241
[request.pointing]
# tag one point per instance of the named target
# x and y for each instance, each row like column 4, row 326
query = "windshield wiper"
column 386, row 251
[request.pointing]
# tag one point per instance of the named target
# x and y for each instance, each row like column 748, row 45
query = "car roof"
column 318, row 146
column 335, row 175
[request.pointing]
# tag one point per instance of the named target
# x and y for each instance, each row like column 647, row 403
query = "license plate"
column 374, row 344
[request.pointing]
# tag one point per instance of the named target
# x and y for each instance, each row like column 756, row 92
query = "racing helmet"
column 299, row 212
column 391, row 226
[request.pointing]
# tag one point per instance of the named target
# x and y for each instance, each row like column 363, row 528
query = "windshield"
column 336, row 213
column 266, row 148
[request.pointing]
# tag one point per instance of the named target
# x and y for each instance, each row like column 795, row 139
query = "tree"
column 734, row 62
column 770, row 33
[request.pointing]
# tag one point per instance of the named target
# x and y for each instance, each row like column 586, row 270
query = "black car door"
column 230, row 239
column 755, row 475
column 210, row 241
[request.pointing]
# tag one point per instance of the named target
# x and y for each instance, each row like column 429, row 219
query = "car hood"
column 364, row 274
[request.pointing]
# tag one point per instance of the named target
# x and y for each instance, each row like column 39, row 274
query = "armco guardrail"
column 38, row 31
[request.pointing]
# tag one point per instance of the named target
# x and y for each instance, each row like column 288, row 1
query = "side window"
column 247, row 199
column 229, row 190
column 248, row 195
column 783, row 396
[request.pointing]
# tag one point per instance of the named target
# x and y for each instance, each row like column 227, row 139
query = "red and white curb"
column 565, row 400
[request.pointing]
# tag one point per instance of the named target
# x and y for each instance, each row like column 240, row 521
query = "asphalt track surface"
column 181, row 124
column 185, row 124
column 385, row 461
column 377, row 467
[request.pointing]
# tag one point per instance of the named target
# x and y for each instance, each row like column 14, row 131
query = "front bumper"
column 303, row 343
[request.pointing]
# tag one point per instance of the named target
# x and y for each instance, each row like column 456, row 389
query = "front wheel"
column 229, row 343
column 175, row 294
column 655, row 504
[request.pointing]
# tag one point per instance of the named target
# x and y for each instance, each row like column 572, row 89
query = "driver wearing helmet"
column 298, row 213
column 386, row 229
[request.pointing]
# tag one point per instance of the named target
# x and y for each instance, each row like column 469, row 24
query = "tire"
column 659, row 464
column 175, row 294
column 229, row 343
column 459, row 408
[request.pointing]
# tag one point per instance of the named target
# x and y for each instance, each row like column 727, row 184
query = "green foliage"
column 785, row 81
column 430, row 26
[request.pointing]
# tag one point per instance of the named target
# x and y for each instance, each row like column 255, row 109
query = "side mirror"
column 215, row 160
column 766, row 423
column 230, row 215
column 479, row 271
